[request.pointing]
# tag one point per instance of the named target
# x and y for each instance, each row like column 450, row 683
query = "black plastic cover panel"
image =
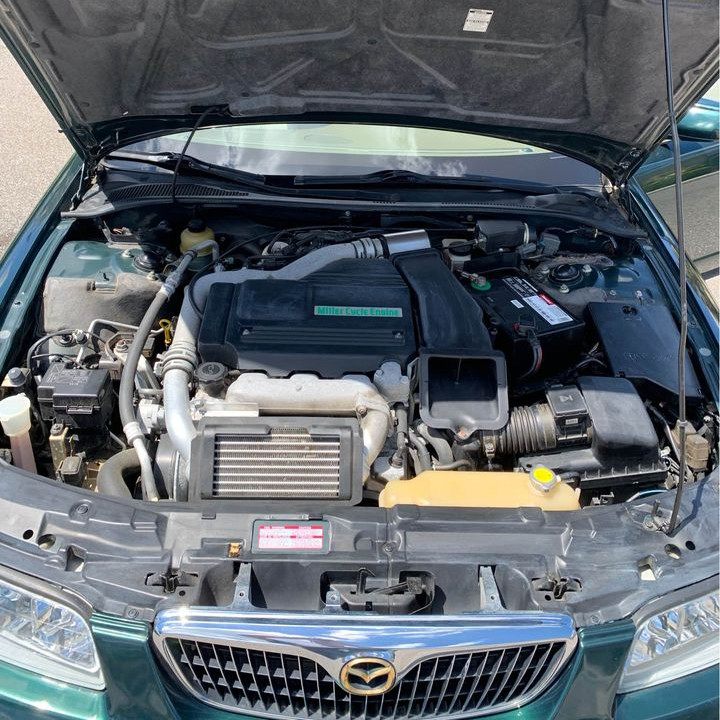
column 641, row 343
column 463, row 380
column 348, row 318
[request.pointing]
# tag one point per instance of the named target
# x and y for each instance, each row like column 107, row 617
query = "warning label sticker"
column 290, row 537
column 538, row 301
column 477, row 20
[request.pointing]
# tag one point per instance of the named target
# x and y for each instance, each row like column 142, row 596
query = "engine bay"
column 196, row 354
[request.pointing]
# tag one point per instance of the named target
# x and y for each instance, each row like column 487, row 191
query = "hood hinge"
column 623, row 167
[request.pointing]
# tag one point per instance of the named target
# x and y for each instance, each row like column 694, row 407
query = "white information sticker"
column 517, row 304
column 477, row 20
column 538, row 301
column 547, row 309
column 290, row 537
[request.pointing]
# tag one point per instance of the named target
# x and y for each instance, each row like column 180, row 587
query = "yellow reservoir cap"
column 447, row 488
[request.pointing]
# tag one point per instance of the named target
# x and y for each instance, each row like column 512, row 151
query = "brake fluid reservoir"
column 195, row 233
column 444, row 488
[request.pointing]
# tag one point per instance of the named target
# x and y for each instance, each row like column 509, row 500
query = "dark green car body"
column 138, row 689
column 137, row 685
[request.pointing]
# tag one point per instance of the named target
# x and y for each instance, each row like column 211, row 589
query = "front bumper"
column 138, row 688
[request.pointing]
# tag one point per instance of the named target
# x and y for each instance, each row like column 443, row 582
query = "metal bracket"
column 489, row 593
column 241, row 598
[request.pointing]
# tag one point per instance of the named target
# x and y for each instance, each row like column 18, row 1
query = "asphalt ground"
column 32, row 152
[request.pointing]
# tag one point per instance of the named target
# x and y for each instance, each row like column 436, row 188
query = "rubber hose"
column 126, row 392
column 456, row 465
column 530, row 429
column 110, row 479
column 439, row 444
column 423, row 455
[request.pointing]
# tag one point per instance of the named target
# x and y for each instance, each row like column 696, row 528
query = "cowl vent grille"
column 145, row 191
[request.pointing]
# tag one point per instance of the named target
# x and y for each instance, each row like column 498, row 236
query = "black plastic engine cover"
column 348, row 318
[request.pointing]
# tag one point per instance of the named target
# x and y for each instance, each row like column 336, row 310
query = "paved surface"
column 702, row 221
column 31, row 148
column 33, row 151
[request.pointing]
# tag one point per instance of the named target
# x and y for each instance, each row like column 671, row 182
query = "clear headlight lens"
column 674, row 643
column 47, row 637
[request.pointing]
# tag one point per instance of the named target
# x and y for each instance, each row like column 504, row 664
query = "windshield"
column 350, row 149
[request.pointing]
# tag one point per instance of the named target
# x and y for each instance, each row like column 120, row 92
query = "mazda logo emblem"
column 367, row 676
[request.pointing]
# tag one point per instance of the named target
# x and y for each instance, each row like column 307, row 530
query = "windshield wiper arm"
column 168, row 160
column 408, row 177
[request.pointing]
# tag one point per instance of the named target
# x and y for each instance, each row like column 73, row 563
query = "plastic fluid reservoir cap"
column 15, row 414
column 543, row 478
column 196, row 225
column 480, row 283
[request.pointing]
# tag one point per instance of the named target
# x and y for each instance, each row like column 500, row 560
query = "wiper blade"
column 408, row 177
column 168, row 160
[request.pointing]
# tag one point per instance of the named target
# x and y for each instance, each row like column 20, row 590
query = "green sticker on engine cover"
column 351, row 311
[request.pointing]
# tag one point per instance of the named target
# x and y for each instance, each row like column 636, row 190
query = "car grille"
column 284, row 463
column 287, row 685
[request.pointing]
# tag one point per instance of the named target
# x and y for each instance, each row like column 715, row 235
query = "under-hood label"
column 290, row 537
column 538, row 301
column 353, row 311
column 477, row 20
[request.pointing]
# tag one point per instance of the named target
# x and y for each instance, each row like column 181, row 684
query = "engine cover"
column 347, row 318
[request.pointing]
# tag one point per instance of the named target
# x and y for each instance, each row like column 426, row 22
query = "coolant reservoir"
column 444, row 488
column 195, row 233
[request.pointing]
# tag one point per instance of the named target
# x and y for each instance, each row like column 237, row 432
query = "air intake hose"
column 530, row 429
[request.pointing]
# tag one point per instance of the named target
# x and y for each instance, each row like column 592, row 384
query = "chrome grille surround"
column 287, row 666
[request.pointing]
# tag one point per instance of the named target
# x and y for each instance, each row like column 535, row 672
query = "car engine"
column 492, row 363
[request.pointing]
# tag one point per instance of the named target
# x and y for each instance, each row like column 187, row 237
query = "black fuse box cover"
column 347, row 318
column 641, row 343
column 77, row 397
column 516, row 308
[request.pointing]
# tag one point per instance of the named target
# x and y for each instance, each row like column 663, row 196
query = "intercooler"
column 279, row 458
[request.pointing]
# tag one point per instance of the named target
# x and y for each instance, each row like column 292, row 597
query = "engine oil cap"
column 543, row 478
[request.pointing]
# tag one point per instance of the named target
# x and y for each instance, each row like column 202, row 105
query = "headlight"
column 47, row 637
column 673, row 643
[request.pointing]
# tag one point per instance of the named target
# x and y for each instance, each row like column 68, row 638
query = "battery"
column 526, row 318
column 75, row 397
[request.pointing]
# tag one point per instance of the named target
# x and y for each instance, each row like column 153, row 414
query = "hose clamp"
column 179, row 357
column 133, row 432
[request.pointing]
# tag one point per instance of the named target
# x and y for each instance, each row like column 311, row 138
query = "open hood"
column 582, row 78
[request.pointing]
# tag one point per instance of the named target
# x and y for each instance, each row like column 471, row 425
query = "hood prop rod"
column 682, row 272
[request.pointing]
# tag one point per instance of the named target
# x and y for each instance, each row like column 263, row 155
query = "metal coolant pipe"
column 305, row 394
